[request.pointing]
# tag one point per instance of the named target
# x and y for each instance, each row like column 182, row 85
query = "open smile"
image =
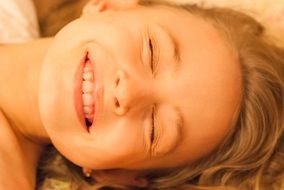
column 88, row 86
column 86, row 92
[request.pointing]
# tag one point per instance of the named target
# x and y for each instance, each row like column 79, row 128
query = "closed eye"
column 152, row 136
column 154, row 53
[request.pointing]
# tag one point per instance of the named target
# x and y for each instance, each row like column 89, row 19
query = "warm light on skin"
column 196, row 88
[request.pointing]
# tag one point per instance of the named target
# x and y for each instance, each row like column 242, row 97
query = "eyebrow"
column 176, row 45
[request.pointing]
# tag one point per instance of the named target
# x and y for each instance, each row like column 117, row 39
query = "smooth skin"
column 193, row 84
column 195, row 87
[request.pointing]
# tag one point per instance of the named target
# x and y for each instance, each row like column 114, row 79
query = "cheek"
column 202, row 139
column 122, row 140
column 207, row 138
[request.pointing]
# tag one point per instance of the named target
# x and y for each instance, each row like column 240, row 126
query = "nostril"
column 116, row 102
column 119, row 109
column 117, row 82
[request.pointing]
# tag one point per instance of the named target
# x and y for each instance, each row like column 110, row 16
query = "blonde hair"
column 252, row 155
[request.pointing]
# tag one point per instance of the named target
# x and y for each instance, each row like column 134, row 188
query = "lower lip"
column 78, row 91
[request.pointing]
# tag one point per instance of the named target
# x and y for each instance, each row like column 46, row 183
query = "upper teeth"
column 87, row 91
column 87, row 86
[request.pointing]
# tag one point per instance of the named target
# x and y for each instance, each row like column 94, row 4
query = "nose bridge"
column 129, row 92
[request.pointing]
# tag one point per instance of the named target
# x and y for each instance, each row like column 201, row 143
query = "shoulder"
column 10, row 159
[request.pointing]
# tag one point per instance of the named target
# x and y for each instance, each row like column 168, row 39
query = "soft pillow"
column 18, row 21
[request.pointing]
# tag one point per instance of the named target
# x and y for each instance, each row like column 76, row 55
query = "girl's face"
column 166, row 89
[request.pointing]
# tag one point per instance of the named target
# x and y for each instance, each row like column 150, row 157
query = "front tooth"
column 87, row 99
column 89, row 116
column 88, row 109
column 88, row 76
column 87, row 68
column 87, row 86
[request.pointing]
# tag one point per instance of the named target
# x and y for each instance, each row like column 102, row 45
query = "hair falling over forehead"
column 252, row 155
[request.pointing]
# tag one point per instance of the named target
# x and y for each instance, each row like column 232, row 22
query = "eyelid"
column 153, row 118
column 156, row 52
column 152, row 54
column 155, row 142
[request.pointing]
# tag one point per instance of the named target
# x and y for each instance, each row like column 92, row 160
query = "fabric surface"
column 18, row 21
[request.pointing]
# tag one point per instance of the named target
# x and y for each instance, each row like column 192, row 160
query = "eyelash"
column 152, row 55
column 152, row 136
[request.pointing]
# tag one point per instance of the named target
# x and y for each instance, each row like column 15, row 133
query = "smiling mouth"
column 87, row 92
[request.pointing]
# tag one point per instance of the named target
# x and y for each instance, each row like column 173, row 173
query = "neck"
column 20, row 66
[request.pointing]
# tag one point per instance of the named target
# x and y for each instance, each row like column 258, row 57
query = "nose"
column 128, row 92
